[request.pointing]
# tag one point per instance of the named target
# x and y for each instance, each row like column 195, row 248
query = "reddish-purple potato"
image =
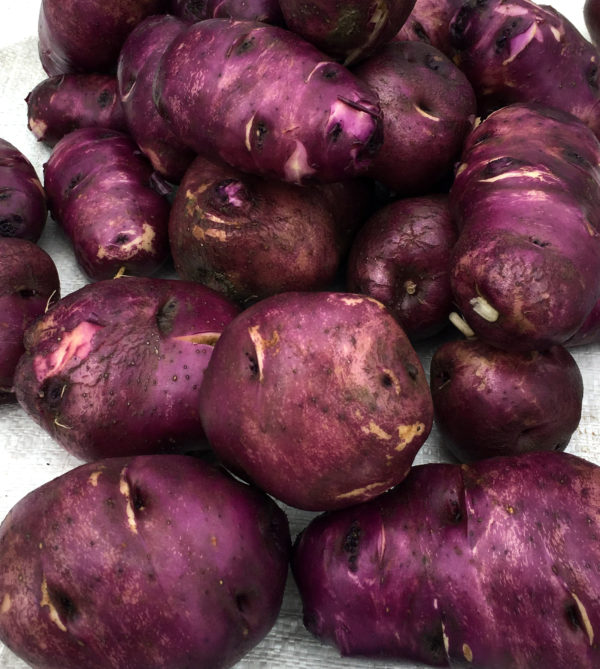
column 152, row 562
column 428, row 107
column 249, row 237
column 137, row 65
column 267, row 102
column 591, row 15
column 60, row 104
column 115, row 368
column 86, row 35
column 28, row 284
column 267, row 11
column 486, row 566
column 348, row 31
column 429, row 22
column 100, row 189
column 318, row 398
column 401, row 257
column 23, row 208
column 589, row 332
column 490, row 402
column 525, row 271
column 518, row 51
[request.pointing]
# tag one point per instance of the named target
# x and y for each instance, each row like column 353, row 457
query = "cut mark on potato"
column 373, row 429
column 93, row 478
column 446, row 639
column 53, row 613
column 426, row 114
column 522, row 41
column 380, row 485
column 534, row 175
column 143, row 241
column 297, row 166
column 467, row 652
column 125, row 490
column 407, row 433
column 206, row 338
column 585, row 620
column 484, row 309
column 260, row 346
column 6, row 603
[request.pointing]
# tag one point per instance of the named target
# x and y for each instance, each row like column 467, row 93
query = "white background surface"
column 28, row 457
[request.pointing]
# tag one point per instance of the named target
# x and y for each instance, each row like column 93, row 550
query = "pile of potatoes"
column 315, row 239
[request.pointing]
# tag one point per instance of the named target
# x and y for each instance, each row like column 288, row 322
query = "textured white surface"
column 28, row 457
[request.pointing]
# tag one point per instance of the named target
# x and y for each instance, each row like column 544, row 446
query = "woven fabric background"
column 28, row 457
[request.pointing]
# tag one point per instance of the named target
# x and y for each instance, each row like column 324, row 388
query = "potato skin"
column 29, row 283
column 318, row 398
column 266, row 11
column 429, row 22
column 591, row 15
column 115, row 368
column 428, row 108
column 490, row 402
column 401, row 257
column 152, row 562
column 23, row 206
column 100, row 189
column 265, row 101
column 484, row 565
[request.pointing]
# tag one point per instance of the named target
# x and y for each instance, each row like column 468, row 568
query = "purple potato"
column 29, row 283
column 318, row 398
column 429, row 22
column 591, row 16
column 100, row 189
column 490, row 402
column 589, row 331
column 486, row 566
column 249, row 237
column 87, row 35
column 137, row 65
column 519, row 51
column 60, row 104
column 347, row 31
column 23, row 207
column 267, row 102
column 267, row 11
column 428, row 108
column 401, row 257
column 133, row 345
column 152, row 562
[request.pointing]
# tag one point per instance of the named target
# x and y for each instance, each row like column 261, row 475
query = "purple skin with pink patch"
column 485, row 566
column 151, row 562
column 23, row 207
column 401, row 256
column 60, row 104
column 29, row 283
column 100, row 189
column 267, row 102
column 525, row 271
column 115, row 368
column 266, row 11
column 346, row 30
column 138, row 62
column 518, row 51
column 318, row 398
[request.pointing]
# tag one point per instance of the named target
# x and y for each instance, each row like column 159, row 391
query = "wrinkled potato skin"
column 152, row 562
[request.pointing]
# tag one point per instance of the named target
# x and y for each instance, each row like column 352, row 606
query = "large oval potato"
column 318, row 398
column 153, row 562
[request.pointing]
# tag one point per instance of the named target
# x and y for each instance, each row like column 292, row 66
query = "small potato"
column 318, row 398
column 154, row 562
column 490, row 402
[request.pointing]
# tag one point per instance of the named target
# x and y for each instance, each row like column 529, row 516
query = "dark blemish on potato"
column 165, row 316
column 351, row 545
column 573, row 616
column 63, row 603
column 386, row 380
column 455, row 513
column 412, row 371
column 26, row 293
column 335, row 132
column 539, row 242
column 432, row 63
column 121, row 238
column 78, row 178
column 10, row 225
column 52, row 391
column 242, row 602
column 253, row 365
column 592, row 75
column 261, row 130
column 110, row 503
column 105, row 98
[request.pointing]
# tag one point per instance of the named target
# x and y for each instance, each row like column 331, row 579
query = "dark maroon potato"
column 265, row 101
column 428, row 108
column 318, row 398
column 87, row 35
column 486, row 566
column 267, row 11
column 249, row 237
column 28, row 284
column 60, row 104
column 115, row 368
column 591, row 15
column 518, row 51
column 490, row 402
column 589, row 332
column 138, row 62
column 429, row 22
column 101, row 191
column 401, row 257
column 525, row 271
column 152, row 562
column 23, row 208
column 348, row 31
